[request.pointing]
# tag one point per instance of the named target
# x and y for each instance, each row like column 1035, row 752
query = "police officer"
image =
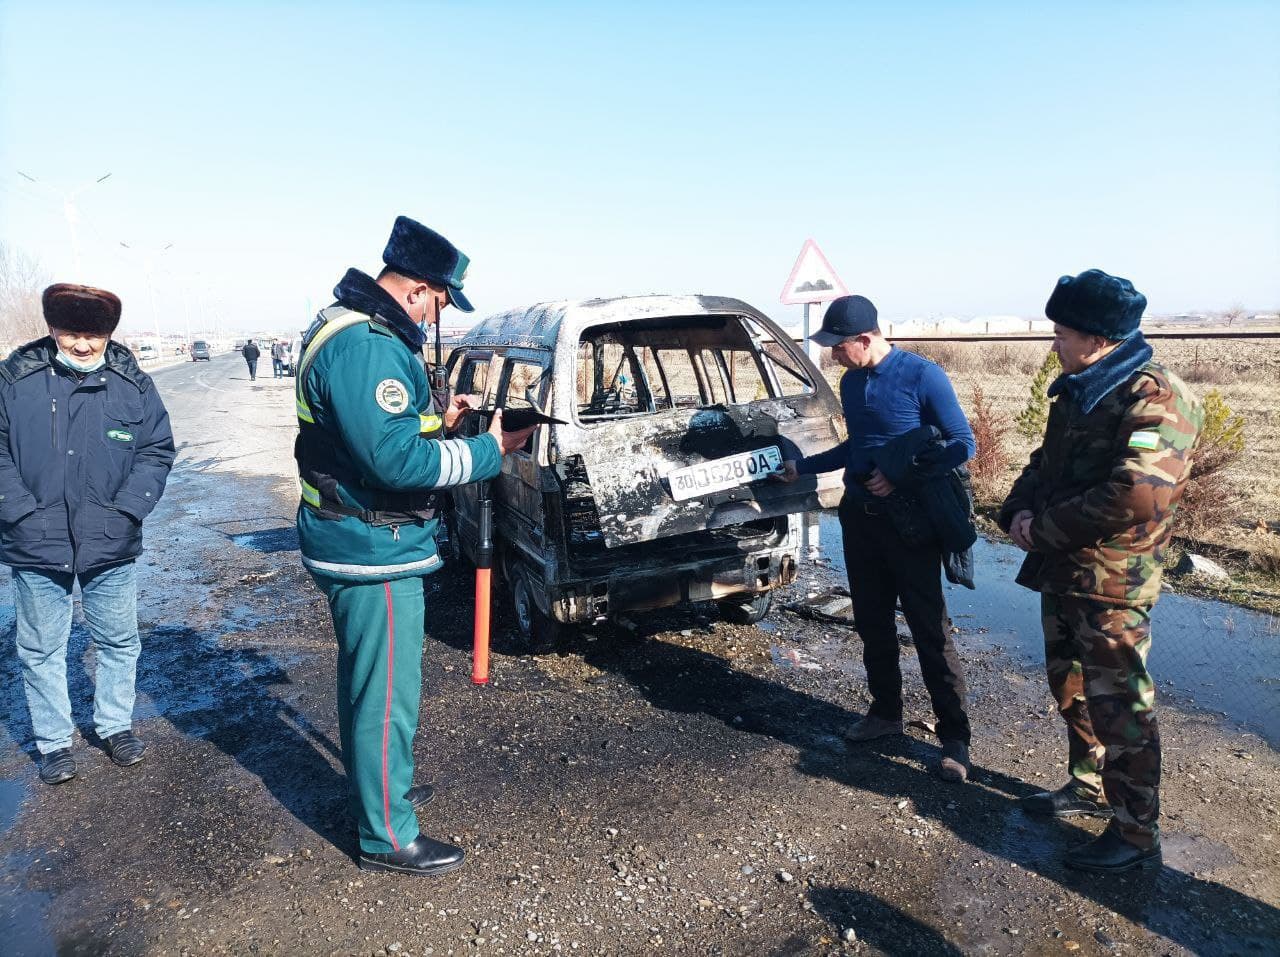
column 1094, row 510
column 373, row 455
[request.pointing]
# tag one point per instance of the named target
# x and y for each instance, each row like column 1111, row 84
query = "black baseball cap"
column 845, row 318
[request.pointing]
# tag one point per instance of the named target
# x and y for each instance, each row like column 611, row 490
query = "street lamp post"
column 69, row 209
column 149, row 257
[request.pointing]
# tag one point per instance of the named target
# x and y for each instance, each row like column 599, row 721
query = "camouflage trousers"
column 1096, row 659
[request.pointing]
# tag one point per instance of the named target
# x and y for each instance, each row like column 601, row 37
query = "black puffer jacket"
column 83, row 459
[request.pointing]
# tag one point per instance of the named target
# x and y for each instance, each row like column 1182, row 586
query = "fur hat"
column 421, row 253
column 84, row 309
column 1098, row 304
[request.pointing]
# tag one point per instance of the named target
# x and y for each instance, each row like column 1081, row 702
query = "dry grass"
column 990, row 465
column 1264, row 553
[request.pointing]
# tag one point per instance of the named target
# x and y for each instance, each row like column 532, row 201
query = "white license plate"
column 720, row 474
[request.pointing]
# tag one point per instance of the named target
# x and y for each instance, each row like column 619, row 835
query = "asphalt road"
column 681, row 789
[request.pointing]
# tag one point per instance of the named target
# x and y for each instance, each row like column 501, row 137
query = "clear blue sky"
column 949, row 158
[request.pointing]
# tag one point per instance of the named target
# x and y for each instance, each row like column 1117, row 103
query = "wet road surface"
column 676, row 789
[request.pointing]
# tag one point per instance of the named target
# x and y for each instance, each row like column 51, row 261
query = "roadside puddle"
column 283, row 539
column 1210, row 655
column 13, row 791
column 23, row 915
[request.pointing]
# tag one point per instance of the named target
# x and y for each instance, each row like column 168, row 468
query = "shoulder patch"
column 1144, row 440
column 392, row 396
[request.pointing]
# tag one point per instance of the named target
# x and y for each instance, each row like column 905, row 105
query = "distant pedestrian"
column 905, row 509
column 85, row 450
column 373, row 457
column 1094, row 510
column 251, row 353
column 277, row 359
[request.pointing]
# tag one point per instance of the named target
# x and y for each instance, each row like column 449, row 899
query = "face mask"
column 78, row 365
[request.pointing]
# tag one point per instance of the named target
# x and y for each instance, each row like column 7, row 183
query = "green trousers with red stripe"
column 379, row 630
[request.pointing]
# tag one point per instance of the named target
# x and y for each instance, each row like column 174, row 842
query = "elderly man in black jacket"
column 85, row 450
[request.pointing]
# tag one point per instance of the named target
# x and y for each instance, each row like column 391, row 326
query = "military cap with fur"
column 83, row 309
column 1098, row 304
column 421, row 253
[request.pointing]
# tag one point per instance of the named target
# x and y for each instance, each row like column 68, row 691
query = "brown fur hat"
column 76, row 308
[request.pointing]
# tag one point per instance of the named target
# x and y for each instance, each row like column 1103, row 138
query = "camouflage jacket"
column 1104, row 486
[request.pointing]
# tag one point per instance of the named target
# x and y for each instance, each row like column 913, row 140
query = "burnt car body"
column 655, row 489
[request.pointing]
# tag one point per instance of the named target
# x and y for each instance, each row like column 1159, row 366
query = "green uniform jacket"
column 1104, row 487
column 367, row 390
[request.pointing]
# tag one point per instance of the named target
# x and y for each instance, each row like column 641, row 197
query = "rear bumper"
column 644, row 588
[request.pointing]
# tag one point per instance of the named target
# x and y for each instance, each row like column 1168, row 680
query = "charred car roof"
column 544, row 325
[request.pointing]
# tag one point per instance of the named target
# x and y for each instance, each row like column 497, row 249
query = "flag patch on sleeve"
column 1144, row 440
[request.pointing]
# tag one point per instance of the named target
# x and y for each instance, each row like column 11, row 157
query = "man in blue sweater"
column 887, row 392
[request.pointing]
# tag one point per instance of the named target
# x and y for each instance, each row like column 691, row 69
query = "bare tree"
column 1234, row 314
column 21, row 282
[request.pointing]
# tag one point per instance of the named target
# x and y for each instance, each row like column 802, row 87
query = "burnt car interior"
column 647, row 366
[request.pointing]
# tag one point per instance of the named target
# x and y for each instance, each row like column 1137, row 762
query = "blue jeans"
column 43, row 602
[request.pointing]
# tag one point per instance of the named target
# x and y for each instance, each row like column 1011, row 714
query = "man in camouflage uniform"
column 1094, row 510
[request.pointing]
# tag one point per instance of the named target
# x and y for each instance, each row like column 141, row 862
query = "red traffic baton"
column 484, row 571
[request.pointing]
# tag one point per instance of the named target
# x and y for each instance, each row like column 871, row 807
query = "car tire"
column 747, row 611
column 531, row 629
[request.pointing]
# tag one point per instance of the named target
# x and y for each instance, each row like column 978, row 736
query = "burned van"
column 655, row 486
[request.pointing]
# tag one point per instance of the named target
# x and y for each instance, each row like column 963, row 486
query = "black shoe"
column 424, row 856
column 1110, row 853
column 57, row 766
column 1067, row 801
column 420, row 795
column 124, row 748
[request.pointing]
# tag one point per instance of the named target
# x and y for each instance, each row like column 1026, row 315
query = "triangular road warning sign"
column 812, row 278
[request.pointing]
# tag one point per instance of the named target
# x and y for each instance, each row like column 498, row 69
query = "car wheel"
column 533, row 630
column 748, row 611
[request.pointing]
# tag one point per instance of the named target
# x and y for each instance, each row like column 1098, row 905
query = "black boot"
column 124, row 748
column 424, row 856
column 420, row 795
column 1067, row 801
column 1110, row 853
column 57, row 766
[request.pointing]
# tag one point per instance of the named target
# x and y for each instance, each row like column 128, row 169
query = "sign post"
column 812, row 281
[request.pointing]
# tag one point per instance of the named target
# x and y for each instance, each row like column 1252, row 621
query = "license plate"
column 720, row 474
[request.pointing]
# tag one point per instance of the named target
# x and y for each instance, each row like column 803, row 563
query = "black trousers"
column 883, row 569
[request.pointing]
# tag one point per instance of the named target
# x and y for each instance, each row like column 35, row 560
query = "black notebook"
column 513, row 420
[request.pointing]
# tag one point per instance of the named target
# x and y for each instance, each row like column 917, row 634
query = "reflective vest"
column 320, row 472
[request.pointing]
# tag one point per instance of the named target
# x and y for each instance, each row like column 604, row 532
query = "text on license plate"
column 720, row 474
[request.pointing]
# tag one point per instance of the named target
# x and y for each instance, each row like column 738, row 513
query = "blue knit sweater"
column 900, row 393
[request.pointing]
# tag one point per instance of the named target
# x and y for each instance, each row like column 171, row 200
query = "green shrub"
column 1032, row 419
